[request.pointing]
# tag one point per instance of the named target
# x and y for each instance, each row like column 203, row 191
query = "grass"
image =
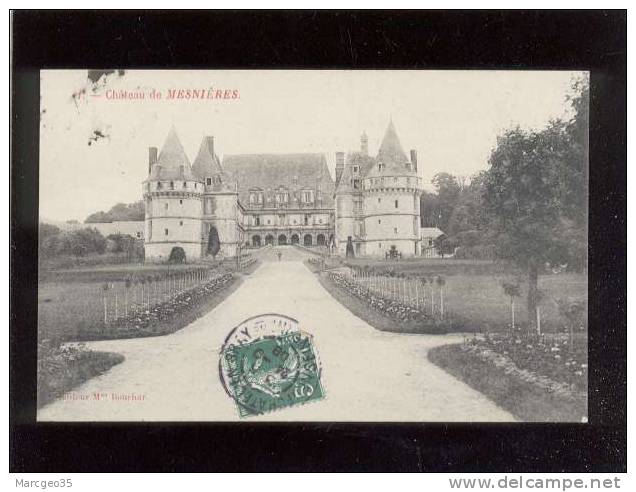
column 62, row 369
column 71, row 306
column 524, row 400
column 473, row 289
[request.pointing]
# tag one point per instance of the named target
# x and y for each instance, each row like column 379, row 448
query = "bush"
column 177, row 255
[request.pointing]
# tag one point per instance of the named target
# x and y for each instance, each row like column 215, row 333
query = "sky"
column 452, row 119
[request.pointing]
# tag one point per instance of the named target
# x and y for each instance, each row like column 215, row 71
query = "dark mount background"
column 585, row 40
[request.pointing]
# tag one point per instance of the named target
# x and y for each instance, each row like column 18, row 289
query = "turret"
column 364, row 143
column 173, row 203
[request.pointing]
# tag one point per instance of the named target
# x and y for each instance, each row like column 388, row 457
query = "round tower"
column 391, row 201
column 172, row 196
column 220, row 215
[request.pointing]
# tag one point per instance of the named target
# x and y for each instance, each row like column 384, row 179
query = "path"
column 367, row 375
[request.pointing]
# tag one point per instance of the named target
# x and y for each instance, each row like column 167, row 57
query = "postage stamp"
column 268, row 363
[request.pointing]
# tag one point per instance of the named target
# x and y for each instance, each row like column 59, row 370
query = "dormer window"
column 159, row 185
column 172, row 185
column 307, row 196
column 208, row 181
column 380, row 166
column 185, row 185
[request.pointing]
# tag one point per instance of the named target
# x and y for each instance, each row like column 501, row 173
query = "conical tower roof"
column 172, row 153
column 391, row 149
column 172, row 162
column 392, row 156
column 206, row 162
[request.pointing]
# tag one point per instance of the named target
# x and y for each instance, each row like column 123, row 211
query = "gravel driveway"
column 367, row 375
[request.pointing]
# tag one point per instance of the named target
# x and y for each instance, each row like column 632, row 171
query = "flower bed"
column 396, row 310
column 155, row 320
column 548, row 361
column 63, row 367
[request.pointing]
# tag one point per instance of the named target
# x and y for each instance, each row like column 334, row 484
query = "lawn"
column 71, row 303
column 473, row 290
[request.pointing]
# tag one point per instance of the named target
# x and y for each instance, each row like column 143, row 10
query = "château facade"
column 251, row 200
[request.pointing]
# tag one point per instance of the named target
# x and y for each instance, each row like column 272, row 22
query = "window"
column 307, row 196
column 395, row 230
column 165, row 232
column 185, row 185
column 268, row 221
column 159, row 185
column 320, row 221
column 180, row 222
column 355, row 169
column 257, row 220
column 379, row 199
column 379, row 221
column 208, row 181
column 396, row 204
column 395, row 180
column 165, row 206
column 180, row 202
column 306, row 219
column 149, row 229
column 172, row 185
column 356, row 184
column 139, row 234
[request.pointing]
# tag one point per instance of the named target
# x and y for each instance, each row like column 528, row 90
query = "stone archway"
column 269, row 240
column 320, row 239
column 282, row 240
column 256, row 240
column 295, row 239
column 307, row 240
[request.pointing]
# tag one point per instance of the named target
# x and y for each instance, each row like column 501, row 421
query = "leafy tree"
column 120, row 211
column 448, row 191
column 522, row 193
column 535, row 191
column 429, row 210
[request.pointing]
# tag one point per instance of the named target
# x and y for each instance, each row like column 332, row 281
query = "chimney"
column 364, row 143
column 152, row 157
column 209, row 140
column 414, row 159
column 340, row 158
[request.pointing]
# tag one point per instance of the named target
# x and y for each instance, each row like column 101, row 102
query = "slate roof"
column 172, row 162
column 392, row 155
column 206, row 162
column 269, row 172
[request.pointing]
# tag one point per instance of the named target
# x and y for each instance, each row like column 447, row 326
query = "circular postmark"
column 267, row 363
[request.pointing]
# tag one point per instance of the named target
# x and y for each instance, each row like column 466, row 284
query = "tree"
column 214, row 243
column 512, row 291
column 448, row 191
column 536, row 193
column 523, row 194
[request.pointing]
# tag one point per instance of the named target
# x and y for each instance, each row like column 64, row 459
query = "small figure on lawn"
column 279, row 254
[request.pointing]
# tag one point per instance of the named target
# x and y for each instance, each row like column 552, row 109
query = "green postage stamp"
column 268, row 363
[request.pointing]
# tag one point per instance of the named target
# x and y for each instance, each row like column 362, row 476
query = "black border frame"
column 587, row 40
